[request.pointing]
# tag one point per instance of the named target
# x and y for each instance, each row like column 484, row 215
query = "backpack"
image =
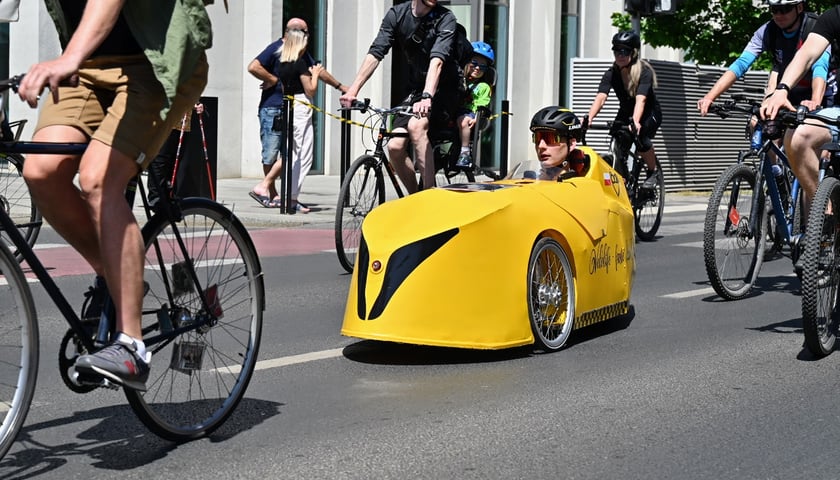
column 461, row 51
column 809, row 19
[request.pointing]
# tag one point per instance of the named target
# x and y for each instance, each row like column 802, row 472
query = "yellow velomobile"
column 495, row 265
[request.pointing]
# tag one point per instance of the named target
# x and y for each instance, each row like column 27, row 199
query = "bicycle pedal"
column 87, row 380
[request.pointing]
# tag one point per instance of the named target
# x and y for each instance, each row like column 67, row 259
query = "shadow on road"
column 117, row 441
column 390, row 353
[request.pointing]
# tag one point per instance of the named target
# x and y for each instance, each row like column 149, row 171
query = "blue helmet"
column 485, row 50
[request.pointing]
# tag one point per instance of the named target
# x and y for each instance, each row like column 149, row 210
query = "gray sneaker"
column 652, row 180
column 117, row 362
column 464, row 160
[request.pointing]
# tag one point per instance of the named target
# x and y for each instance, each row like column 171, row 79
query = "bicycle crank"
column 71, row 349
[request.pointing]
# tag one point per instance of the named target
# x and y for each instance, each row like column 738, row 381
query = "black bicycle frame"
column 49, row 284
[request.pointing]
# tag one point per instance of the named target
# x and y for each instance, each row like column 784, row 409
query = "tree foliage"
column 710, row 32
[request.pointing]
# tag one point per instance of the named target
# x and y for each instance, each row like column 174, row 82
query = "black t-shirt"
column 119, row 42
column 420, row 40
column 289, row 74
column 612, row 80
column 828, row 26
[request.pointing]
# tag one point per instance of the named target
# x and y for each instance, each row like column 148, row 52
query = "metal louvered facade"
column 693, row 150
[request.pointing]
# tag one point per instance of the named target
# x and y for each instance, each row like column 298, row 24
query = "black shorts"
column 445, row 110
column 650, row 125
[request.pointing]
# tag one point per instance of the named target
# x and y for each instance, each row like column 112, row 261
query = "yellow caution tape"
column 351, row 122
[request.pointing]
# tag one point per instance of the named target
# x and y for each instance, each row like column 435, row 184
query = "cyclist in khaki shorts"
column 140, row 67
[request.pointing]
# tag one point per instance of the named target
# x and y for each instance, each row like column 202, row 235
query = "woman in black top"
column 297, row 76
column 633, row 81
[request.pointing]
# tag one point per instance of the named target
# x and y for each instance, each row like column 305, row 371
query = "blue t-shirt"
column 270, row 60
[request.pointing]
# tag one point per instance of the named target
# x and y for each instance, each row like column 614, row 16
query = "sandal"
column 261, row 199
column 276, row 202
column 301, row 208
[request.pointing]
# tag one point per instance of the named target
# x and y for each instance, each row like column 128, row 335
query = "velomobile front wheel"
column 551, row 294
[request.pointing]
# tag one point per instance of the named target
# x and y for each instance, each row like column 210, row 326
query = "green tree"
column 711, row 32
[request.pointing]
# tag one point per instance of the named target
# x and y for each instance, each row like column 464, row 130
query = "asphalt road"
column 686, row 387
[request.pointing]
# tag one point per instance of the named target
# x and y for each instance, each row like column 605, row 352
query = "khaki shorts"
column 118, row 102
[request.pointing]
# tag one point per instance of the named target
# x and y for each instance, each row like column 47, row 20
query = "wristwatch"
column 783, row 86
column 425, row 95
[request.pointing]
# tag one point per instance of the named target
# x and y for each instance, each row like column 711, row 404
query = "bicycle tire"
column 733, row 257
column 18, row 362
column 820, row 279
column 552, row 316
column 16, row 201
column 648, row 205
column 198, row 377
column 359, row 194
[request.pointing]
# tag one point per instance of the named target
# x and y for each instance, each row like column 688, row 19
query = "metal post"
column 503, row 143
column 286, row 183
column 345, row 144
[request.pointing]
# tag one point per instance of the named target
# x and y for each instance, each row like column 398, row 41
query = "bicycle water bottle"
column 755, row 141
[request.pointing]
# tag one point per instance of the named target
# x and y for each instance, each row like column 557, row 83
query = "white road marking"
column 286, row 361
column 691, row 293
column 46, row 246
column 692, row 207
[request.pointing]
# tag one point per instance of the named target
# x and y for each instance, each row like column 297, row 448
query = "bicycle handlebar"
column 798, row 117
column 13, row 83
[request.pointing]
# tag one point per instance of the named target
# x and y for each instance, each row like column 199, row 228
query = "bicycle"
column 648, row 204
column 201, row 315
column 14, row 194
column 363, row 187
column 739, row 224
column 820, row 268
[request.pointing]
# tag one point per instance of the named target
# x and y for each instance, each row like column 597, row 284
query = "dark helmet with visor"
column 627, row 39
column 558, row 119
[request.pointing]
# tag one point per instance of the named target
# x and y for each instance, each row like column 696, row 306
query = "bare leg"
column 401, row 161
column 466, row 130
column 50, row 180
column 103, row 175
column 95, row 220
column 801, row 145
column 418, row 130
column 267, row 186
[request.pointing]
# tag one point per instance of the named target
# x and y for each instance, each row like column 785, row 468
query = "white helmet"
column 775, row 3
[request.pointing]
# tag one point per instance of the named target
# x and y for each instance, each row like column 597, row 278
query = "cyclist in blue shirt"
column 803, row 143
column 782, row 36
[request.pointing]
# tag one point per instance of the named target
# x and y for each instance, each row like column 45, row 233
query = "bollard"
column 345, row 145
column 286, row 183
column 503, row 142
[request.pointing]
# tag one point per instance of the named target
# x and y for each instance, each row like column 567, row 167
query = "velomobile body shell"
column 449, row 266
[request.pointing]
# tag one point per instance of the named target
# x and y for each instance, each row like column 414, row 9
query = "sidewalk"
column 320, row 193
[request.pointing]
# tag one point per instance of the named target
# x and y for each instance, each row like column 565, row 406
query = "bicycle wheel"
column 551, row 294
column 820, row 277
column 198, row 377
column 363, row 189
column 732, row 252
column 16, row 201
column 18, row 351
column 649, row 203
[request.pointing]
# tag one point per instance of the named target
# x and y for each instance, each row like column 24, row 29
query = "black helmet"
column 627, row 39
column 559, row 119
column 778, row 3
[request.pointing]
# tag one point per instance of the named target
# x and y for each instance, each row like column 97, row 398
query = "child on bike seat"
column 556, row 131
column 479, row 94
